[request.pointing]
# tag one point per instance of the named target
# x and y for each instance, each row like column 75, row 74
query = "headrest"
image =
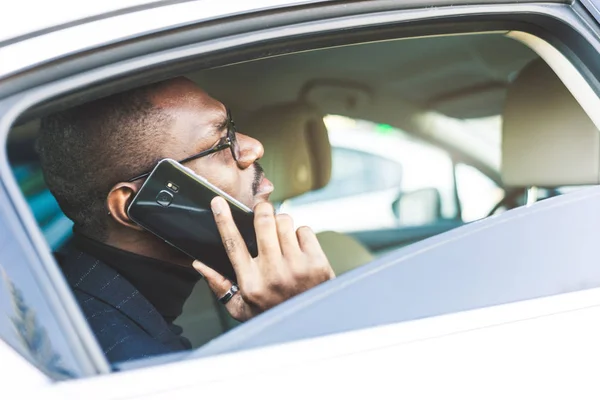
column 297, row 151
column 547, row 138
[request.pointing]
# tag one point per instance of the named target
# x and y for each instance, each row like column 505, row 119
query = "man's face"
column 199, row 122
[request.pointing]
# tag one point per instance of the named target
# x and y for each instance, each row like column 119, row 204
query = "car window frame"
column 41, row 335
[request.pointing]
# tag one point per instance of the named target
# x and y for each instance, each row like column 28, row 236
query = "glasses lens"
column 231, row 133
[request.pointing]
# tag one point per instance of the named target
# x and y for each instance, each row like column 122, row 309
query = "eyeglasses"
column 228, row 141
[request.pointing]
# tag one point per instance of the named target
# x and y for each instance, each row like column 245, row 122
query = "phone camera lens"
column 164, row 198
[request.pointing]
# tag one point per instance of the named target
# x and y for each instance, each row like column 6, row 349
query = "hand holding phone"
column 288, row 262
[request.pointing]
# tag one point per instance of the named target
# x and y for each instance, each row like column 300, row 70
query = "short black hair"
column 86, row 150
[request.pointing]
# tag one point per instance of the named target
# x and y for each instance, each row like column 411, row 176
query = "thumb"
column 217, row 283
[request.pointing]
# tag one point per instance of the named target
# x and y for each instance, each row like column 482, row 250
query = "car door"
column 119, row 46
column 39, row 340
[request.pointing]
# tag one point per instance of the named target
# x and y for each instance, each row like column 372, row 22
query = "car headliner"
column 462, row 76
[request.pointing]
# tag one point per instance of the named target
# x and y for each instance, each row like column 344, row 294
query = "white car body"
column 541, row 348
column 528, row 349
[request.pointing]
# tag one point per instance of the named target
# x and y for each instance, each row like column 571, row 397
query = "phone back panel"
column 174, row 204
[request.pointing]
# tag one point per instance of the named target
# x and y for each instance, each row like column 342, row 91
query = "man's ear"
column 118, row 200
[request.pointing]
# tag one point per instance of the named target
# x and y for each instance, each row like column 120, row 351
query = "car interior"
column 428, row 88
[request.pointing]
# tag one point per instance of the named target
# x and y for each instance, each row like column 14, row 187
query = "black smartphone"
column 174, row 204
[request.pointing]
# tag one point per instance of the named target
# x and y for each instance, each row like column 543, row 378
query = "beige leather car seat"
column 297, row 160
column 547, row 138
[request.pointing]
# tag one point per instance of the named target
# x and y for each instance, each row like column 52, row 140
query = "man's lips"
column 265, row 186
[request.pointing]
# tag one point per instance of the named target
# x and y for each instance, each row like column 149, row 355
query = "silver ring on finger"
column 230, row 293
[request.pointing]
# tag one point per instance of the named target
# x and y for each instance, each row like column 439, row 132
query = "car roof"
column 43, row 39
column 18, row 22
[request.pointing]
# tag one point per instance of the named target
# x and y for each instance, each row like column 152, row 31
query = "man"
column 130, row 284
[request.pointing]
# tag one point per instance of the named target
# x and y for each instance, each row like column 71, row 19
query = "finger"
column 309, row 244
column 288, row 241
column 217, row 283
column 266, row 232
column 308, row 241
column 230, row 235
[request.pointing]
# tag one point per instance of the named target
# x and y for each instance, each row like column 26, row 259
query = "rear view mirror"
column 419, row 207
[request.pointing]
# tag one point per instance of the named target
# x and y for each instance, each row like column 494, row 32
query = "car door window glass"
column 355, row 172
column 477, row 193
column 372, row 166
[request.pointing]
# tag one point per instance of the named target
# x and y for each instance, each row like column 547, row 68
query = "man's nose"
column 250, row 150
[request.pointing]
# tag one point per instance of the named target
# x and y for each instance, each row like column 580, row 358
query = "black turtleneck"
column 166, row 286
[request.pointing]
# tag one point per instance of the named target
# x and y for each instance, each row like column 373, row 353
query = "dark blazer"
column 124, row 322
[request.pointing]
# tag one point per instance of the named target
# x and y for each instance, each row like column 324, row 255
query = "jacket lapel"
column 90, row 275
